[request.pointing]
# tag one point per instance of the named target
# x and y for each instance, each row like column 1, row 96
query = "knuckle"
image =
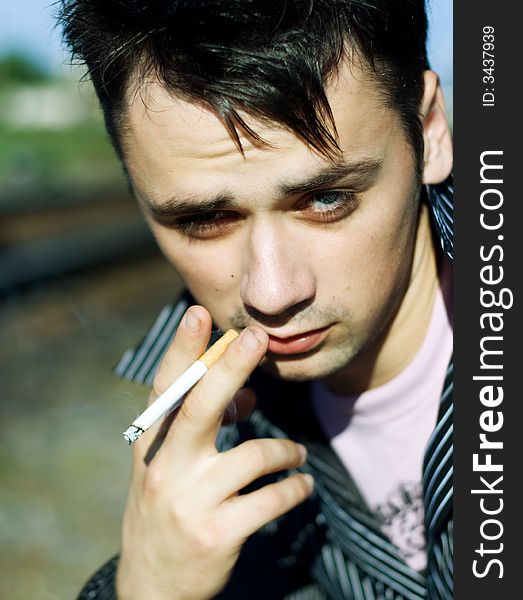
column 160, row 384
column 257, row 454
column 229, row 362
column 286, row 494
column 300, row 488
column 192, row 409
column 207, row 538
column 180, row 516
column 291, row 452
column 236, row 364
column 153, row 481
column 164, row 376
column 275, row 502
column 200, row 532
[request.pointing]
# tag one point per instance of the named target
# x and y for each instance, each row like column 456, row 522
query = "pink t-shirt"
column 380, row 435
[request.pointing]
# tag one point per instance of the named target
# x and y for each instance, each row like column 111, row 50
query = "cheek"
column 368, row 263
column 389, row 255
column 209, row 271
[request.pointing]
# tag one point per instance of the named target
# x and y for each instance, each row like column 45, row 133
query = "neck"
column 397, row 345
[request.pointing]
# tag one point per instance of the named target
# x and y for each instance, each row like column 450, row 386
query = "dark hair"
column 266, row 58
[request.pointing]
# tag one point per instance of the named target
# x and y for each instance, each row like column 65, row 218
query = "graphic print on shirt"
column 401, row 518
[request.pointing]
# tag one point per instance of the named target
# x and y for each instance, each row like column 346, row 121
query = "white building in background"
column 60, row 103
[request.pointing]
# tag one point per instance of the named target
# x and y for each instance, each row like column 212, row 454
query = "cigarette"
column 172, row 398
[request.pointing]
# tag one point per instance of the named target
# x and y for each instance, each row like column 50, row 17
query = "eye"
column 205, row 224
column 326, row 206
column 330, row 205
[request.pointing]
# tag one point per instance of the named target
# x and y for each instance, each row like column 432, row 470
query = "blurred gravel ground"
column 64, row 466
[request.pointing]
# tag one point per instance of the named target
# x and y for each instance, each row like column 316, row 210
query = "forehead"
column 172, row 142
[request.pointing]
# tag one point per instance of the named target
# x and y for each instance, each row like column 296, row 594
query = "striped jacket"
column 331, row 546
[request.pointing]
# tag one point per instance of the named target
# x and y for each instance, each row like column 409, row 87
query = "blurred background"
column 80, row 281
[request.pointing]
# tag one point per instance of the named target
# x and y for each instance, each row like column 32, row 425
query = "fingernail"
column 248, row 340
column 309, row 480
column 192, row 322
column 303, row 452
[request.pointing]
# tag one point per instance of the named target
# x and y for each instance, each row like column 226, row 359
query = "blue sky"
column 27, row 26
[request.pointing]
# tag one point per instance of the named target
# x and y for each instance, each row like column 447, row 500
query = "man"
column 280, row 153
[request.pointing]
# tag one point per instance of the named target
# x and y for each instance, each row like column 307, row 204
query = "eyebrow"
column 358, row 174
column 177, row 208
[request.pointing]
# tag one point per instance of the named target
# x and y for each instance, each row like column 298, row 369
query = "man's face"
column 317, row 254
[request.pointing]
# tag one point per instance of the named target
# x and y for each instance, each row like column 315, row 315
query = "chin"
column 308, row 366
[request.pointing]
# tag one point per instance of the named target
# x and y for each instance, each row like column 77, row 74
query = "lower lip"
column 298, row 344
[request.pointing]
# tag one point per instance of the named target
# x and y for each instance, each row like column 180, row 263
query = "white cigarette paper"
column 174, row 395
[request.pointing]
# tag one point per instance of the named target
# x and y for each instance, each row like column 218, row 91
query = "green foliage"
column 17, row 69
column 42, row 160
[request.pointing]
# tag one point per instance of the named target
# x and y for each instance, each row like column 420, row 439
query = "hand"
column 184, row 523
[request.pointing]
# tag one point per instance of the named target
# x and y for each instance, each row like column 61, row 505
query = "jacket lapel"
column 437, row 491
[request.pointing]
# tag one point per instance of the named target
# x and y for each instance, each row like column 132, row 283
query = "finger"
column 235, row 469
column 200, row 416
column 189, row 343
column 251, row 511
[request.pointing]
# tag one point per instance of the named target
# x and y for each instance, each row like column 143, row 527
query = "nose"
column 276, row 278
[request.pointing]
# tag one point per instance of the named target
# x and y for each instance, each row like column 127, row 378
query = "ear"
column 437, row 154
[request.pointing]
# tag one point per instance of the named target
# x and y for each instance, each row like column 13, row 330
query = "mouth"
column 298, row 344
